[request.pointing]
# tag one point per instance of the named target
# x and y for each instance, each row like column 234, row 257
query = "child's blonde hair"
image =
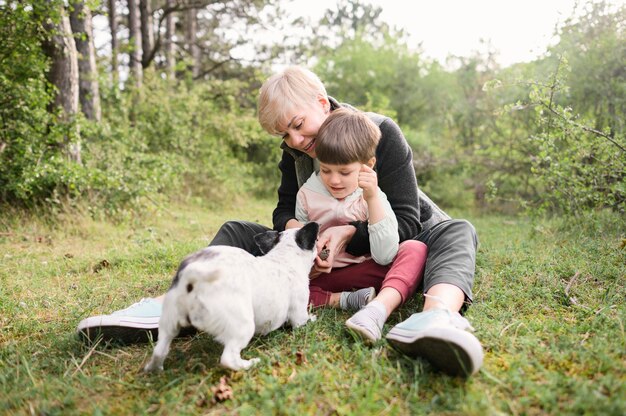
column 345, row 137
column 293, row 89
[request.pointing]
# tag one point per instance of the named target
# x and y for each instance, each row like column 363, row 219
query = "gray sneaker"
column 442, row 338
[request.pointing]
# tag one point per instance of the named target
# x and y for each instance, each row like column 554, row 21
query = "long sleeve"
column 287, row 191
column 302, row 213
column 383, row 235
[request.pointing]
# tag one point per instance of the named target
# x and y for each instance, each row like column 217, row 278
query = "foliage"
column 24, row 97
column 497, row 138
column 548, row 149
column 595, row 46
column 579, row 168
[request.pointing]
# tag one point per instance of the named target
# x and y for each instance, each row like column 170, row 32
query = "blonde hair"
column 345, row 137
column 293, row 89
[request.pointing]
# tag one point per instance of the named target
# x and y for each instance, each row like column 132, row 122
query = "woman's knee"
column 464, row 229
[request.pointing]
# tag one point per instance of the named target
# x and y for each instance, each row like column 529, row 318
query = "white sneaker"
column 442, row 338
column 137, row 323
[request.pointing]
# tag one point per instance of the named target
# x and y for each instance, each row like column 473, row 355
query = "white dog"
column 231, row 294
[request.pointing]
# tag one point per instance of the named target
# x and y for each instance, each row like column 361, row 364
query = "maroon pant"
column 404, row 275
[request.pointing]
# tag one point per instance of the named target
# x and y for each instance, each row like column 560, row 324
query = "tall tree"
column 134, row 42
column 60, row 47
column 191, row 40
column 147, row 32
column 114, row 47
column 170, row 31
column 89, row 94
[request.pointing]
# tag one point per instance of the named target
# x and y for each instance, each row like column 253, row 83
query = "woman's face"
column 301, row 127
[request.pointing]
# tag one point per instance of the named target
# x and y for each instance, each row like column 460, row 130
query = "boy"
column 346, row 190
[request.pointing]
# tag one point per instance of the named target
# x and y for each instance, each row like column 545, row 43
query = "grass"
column 549, row 310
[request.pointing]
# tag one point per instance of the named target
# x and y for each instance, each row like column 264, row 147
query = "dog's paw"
column 153, row 367
column 237, row 363
column 252, row 362
column 312, row 318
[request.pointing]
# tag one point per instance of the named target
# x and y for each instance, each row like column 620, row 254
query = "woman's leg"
column 449, row 273
column 439, row 333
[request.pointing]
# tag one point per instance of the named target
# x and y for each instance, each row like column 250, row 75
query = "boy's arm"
column 383, row 224
column 302, row 214
column 383, row 234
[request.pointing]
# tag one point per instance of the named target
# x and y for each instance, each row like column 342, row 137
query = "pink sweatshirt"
column 315, row 203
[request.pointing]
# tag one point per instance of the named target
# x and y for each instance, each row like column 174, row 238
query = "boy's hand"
column 368, row 181
column 332, row 239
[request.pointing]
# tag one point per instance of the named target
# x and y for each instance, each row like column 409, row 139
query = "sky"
column 519, row 30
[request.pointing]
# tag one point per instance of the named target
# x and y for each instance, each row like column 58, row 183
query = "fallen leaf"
column 300, row 358
column 222, row 391
column 101, row 265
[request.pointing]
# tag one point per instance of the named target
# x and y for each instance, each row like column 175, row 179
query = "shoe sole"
column 119, row 335
column 361, row 332
column 455, row 352
column 123, row 331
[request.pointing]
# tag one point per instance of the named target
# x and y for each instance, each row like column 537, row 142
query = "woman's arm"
column 287, row 191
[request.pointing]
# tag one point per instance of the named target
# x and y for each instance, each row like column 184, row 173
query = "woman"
column 293, row 104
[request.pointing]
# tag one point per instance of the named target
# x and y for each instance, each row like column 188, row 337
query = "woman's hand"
column 334, row 239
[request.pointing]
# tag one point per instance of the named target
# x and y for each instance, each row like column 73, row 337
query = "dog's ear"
column 307, row 236
column 267, row 240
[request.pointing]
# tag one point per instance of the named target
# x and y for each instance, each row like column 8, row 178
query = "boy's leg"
column 140, row 321
column 328, row 289
column 407, row 269
column 356, row 276
column 399, row 284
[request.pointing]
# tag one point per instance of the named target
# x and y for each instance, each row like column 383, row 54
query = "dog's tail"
column 195, row 272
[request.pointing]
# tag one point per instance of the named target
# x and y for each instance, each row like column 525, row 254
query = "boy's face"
column 300, row 128
column 340, row 180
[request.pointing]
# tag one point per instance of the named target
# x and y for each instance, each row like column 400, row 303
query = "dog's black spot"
column 188, row 321
column 307, row 236
column 267, row 240
column 189, row 287
column 204, row 254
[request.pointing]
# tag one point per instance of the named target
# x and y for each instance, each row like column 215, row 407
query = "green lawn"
column 549, row 309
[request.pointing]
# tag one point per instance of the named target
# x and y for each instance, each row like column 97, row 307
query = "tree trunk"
column 190, row 40
column 113, row 26
column 134, row 42
column 89, row 94
column 170, row 30
column 60, row 47
column 147, row 32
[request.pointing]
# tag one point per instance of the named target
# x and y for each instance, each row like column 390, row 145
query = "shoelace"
column 455, row 318
column 133, row 306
